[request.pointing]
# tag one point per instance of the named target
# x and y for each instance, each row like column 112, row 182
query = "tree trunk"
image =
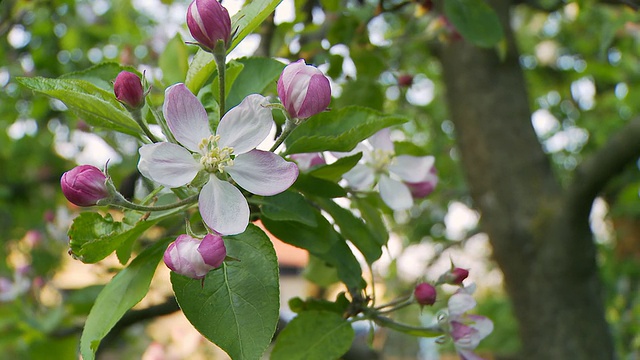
column 539, row 231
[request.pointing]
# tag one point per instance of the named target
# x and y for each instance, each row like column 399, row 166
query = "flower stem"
column 289, row 125
column 430, row 331
column 220, row 56
column 137, row 116
column 124, row 203
column 394, row 302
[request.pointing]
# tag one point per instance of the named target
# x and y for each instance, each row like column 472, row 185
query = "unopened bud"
column 455, row 276
column 425, row 294
column 193, row 257
column 128, row 89
column 307, row 161
column 425, row 187
column 208, row 22
column 304, row 90
column 84, row 185
column 405, row 80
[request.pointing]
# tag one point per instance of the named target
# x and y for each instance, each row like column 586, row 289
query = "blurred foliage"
column 582, row 66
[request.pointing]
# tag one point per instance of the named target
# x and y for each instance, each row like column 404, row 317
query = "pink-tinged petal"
column 212, row 250
column 482, row 324
column 317, row 98
column 186, row 117
column 361, row 177
column 223, row 207
column 182, row 256
column 364, row 149
column 459, row 303
column 382, row 140
column 460, row 331
column 412, row 169
column 424, row 188
column 168, row 164
column 263, row 172
column 394, row 193
column 245, row 126
column 468, row 355
column 307, row 161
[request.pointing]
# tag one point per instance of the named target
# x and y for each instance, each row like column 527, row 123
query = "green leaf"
column 101, row 75
column 340, row 306
column 96, row 106
column 363, row 91
column 338, row 130
column 372, row 216
column 250, row 17
column 290, row 206
column 352, row 228
column 258, row 73
column 322, row 241
column 333, row 172
column 475, row 21
column 314, row 335
column 315, row 186
column 237, row 305
column 92, row 237
column 124, row 291
column 320, row 273
column 174, row 61
column 243, row 22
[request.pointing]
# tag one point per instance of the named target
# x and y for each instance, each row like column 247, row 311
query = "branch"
column 598, row 169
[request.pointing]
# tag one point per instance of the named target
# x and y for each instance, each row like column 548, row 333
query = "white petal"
column 483, row 325
column 412, row 169
column 459, row 303
column 246, row 125
column 186, row 117
column 168, row 164
column 263, row 172
column 360, row 177
column 382, row 140
column 394, row 193
column 223, row 207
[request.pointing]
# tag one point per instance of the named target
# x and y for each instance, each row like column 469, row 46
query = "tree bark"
column 539, row 231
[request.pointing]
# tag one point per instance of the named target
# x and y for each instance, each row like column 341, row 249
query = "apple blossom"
column 454, row 276
column 84, row 185
column 425, row 294
column 230, row 152
column 304, row 90
column 208, row 22
column 193, row 257
column 394, row 174
column 466, row 330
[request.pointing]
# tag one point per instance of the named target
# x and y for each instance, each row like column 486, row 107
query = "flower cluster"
column 228, row 154
column 466, row 330
column 400, row 178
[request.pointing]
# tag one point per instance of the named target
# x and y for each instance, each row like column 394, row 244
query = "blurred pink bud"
column 49, row 216
column 304, row 90
column 454, row 276
column 84, row 185
column 307, row 161
column 33, row 238
column 193, row 257
column 425, row 294
column 128, row 90
column 208, row 22
column 405, row 80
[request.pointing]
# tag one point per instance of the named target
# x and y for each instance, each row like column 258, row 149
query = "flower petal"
column 186, row 117
column 245, row 126
column 223, row 207
column 168, row 164
column 263, row 172
column 212, row 250
column 394, row 193
column 412, row 169
column 459, row 303
column 382, row 140
column 482, row 324
column 360, row 177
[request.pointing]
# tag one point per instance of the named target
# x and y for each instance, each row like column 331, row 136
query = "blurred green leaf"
column 475, row 21
column 320, row 187
column 334, row 171
column 288, row 206
column 257, row 74
column 174, row 61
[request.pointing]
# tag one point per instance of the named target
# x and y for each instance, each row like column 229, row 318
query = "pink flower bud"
column 128, row 90
column 424, row 188
column 303, row 90
column 208, row 22
column 454, row 276
column 425, row 294
column 307, row 161
column 193, row 257
column 84, row 185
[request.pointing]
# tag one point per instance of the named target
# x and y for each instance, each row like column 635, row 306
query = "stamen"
column 215, row 159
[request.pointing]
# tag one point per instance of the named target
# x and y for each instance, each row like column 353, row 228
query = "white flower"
column 466, row 330
column 393, row 174
column 230, row 152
